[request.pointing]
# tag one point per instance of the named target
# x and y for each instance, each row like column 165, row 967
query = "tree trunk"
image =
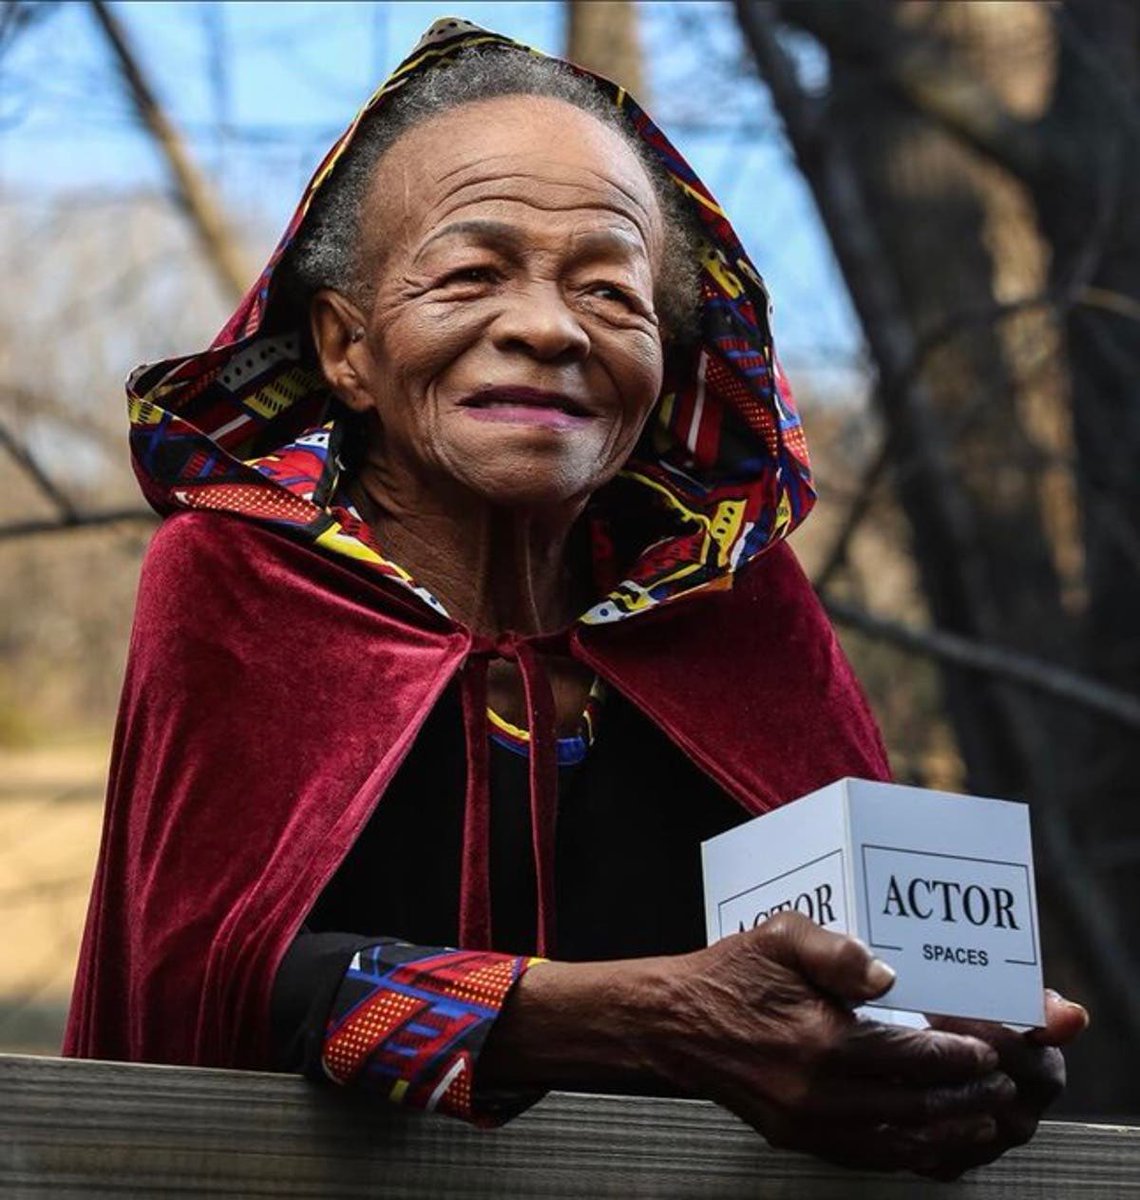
column 602, row 36
column 986, row 424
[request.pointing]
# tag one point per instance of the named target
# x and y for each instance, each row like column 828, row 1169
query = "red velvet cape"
column 270, row 695
column 281, row 665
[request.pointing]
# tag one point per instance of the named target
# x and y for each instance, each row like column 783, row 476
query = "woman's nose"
column 539, row 321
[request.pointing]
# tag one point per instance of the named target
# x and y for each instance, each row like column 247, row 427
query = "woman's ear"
column 338, row 329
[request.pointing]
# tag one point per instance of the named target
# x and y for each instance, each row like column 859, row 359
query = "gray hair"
column 326, row 250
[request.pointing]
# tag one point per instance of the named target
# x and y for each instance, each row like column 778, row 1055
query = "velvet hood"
column 722, row 461
column 281, row 665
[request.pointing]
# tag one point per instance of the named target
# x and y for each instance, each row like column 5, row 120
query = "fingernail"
column 1056, row 995
column 879, row 974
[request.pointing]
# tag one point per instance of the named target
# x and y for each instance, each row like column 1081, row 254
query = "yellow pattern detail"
column 703, row 201
column 644, row 601
column 339, row 542
column 724, row 530
column 523, row 735
column 783, row 513
column 441, row 52
column 669, row 496
column 274, row 398
column 719, row 270
column 634, row 601
column 144, row 412
column 399, row 1088
column 725, row 527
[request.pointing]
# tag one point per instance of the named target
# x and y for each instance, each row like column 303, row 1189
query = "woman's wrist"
column 582, row 1025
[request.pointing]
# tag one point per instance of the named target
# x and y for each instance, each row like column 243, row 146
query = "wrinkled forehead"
column 539, row 157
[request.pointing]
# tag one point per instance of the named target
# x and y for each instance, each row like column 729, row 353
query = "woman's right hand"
column 761, row 1023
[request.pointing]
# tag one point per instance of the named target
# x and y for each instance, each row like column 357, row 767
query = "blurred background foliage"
column 945, row 201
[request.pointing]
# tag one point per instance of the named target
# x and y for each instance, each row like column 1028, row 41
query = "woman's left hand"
column 1033, row 1060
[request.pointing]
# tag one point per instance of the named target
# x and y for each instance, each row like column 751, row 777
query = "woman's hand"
column 760, row 1022
column 1033, row 1061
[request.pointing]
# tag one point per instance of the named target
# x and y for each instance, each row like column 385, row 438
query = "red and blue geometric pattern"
column 409, row 1023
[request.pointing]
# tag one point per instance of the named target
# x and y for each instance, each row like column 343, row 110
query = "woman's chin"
column 538, row 475
column 526, row 483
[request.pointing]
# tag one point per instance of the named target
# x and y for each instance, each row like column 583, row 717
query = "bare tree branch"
column 898, row 385
column 895, row 347
column 1124, row 101
column 27, row 462
column 17, row 15
column 930, row 341
column 193, row 193
column 76, row 520
column 857, row 512
column 43, row 405
column 921, row 72
column 1109, row 301
column 1007, row 666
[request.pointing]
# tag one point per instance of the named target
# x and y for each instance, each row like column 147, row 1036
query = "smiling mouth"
column 525, row 405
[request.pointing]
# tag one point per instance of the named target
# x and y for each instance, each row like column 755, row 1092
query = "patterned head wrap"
column 719, row 475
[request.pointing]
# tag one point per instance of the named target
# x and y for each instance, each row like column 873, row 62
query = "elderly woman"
column 471, row 618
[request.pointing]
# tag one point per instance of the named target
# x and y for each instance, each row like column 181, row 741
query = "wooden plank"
column 70, row 1128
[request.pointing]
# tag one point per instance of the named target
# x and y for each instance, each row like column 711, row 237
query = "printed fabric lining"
column 408, row 1023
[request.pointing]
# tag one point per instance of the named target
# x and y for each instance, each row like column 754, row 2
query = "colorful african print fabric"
column 722, row 460
column 408, row 1023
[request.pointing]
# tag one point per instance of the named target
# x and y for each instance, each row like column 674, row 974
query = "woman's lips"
column 526, row 406
column 529, row 414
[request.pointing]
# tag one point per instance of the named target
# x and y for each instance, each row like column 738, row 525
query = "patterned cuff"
column 409, row 1022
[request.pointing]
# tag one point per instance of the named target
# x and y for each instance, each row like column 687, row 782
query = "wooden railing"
column 88, row 1129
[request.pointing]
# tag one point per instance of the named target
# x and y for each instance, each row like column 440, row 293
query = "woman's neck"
column 494, row 569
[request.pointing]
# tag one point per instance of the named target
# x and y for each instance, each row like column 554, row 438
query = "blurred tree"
column 977, row 168
column 191, row 188
column 603, row 35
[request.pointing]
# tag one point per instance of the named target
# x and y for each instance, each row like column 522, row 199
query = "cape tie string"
column 543, row 788
column 475, row 875
column 475, row 872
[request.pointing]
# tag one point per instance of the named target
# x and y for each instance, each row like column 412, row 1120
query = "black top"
column 631, row 817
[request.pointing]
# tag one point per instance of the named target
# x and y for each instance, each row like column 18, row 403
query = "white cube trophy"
column 939, row 886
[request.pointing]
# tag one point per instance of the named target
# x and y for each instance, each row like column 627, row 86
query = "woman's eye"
column 611, row 291
column 471, row 275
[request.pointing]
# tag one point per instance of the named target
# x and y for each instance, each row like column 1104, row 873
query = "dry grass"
column 51, row 805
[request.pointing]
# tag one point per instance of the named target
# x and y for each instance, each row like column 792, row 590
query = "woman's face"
column 512, row 350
